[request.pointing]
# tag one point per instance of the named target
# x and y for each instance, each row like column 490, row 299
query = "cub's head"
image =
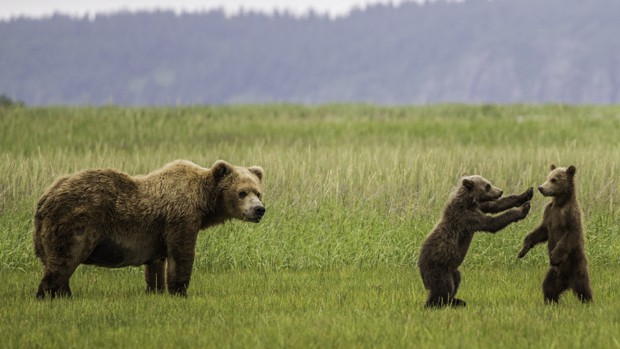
column 560, row 181
column 477, row 189
column 240, row 191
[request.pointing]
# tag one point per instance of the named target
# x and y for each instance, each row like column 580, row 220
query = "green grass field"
column 351, row 192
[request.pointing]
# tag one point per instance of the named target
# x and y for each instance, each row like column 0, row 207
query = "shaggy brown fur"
column 446, row 246
column 562, row 229
column 107, row 218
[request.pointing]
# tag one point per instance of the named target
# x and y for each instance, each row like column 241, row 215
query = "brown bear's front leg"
column 559, row 252
column 179, row 273
column 493, row 224
column 502, row 204
column 155, row 276
column 181, row 252
column 534, row 238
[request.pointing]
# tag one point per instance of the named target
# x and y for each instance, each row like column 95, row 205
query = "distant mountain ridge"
column 477, row 51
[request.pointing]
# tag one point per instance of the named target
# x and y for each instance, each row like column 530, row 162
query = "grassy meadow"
column 351, row 192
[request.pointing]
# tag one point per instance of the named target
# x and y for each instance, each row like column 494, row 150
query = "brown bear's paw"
column 584, row 298
column 555, row 259
column 528, row 194
column 551, row 300
column 178, row 289
column 154, row 290
column 40, row 294
column 53, row 294
column 526, row 248
column 442, row 302
column 456, row 303
column 525, row 209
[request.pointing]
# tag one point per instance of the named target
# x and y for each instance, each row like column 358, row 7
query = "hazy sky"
column 36, row 8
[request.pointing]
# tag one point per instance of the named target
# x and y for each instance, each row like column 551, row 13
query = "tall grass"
column 345, row 184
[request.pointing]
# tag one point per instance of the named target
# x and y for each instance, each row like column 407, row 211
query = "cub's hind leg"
column 442, row 289
column 554, row 285
column 581, row 287
column 456, row 280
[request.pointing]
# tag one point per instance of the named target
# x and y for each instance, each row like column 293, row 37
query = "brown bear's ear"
column 571, row 170
column 468, row 184
column 221, row 169
column 258, row 171
column 553, row 167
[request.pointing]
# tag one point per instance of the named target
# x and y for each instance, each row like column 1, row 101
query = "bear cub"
column 466, row 213
column 108, row 218
column 562, row 229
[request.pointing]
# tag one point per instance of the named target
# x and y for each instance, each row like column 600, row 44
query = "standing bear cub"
column 107, row 218
column 466, row 213
column 562, row 229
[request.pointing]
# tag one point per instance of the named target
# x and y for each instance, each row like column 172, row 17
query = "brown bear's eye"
column 553, row 180
column 242, row 194
column 488, row 187
column 258, row 195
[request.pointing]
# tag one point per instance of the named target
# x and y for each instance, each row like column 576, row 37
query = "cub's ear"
column 468, row 184
column 258, row 171
column 571, row 170
column 553, row 167
column 221, row 169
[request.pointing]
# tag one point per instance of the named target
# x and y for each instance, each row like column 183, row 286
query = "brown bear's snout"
column 544, row 192
column 259, row 211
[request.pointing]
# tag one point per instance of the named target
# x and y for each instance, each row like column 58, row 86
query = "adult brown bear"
column 107, row 218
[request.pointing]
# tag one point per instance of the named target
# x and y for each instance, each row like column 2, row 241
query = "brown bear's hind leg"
column 56, row 283
column 581, row 288
column 442, row 290
column 155, row 276
column 456, row 279
column 553, row 286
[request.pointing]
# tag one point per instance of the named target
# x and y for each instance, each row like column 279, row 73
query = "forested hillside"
column 476, row 51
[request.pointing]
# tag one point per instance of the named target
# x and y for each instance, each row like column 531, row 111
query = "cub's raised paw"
column 525, row 209
column 528, row 194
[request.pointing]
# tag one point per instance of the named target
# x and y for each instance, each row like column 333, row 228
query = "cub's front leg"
column 559, row 253
column 534, row 238
column 507, row 202
column 493, row 224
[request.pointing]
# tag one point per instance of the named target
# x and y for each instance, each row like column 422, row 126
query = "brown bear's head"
column 478, row 189
column 240, row 190
column 560, row 181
